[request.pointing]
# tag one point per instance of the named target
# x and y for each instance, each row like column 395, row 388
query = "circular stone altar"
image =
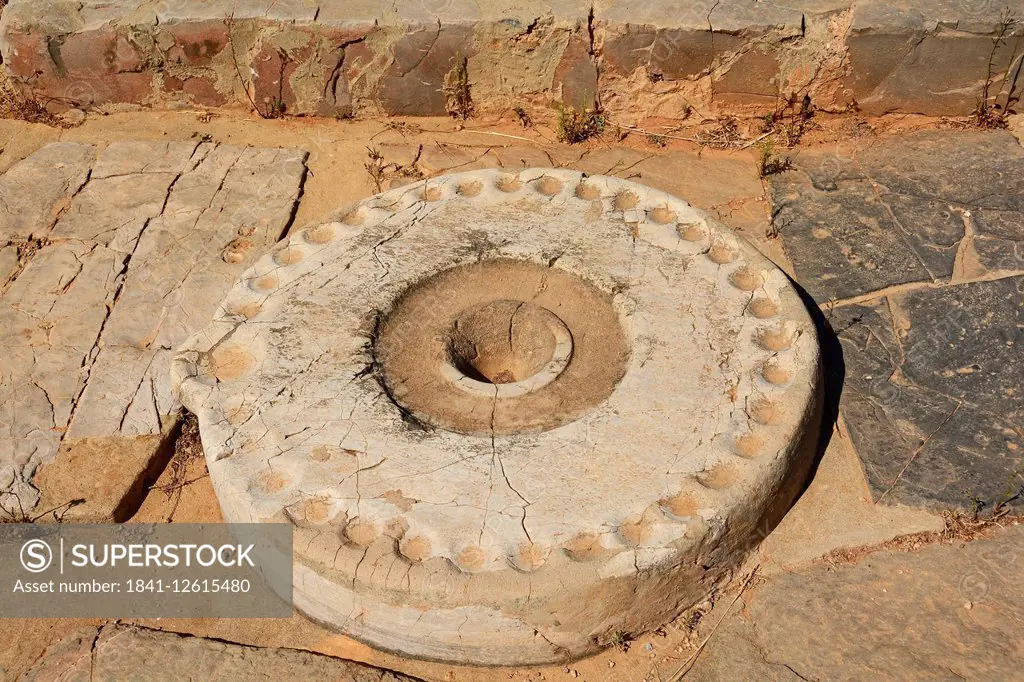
column 510, row 415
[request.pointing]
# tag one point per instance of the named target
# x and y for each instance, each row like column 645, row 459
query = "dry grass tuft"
column 383, row 173
column 16, row 104
column 576, row 126
column 723, row 134
column 768, row 162
column 188, row 449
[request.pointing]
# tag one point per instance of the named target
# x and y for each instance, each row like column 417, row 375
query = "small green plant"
column 657, row 140
column 457, row 99
column 575, row 125
column 990, row 112
column 621, row 640
column 276, row 108
column 523, row 115
column 768, row 163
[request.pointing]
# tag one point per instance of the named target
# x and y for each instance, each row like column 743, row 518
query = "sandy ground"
column 835, row 511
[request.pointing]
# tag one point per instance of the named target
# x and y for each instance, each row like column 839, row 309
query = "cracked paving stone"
column 115, row 652
column 124, row 193
column 930, row 206
column 35, row 190
column 138, row 258
column 932, row 396
column 947, row 612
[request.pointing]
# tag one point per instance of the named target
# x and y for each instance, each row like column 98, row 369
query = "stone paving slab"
column 114, row 652
column 932, row 394
column 55, row 173
column 336, row 58
column 934, row 206
column 948, row 612
column 915, row 248
column 123, row 253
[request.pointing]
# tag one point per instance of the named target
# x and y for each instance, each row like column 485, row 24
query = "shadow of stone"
column 833, row 368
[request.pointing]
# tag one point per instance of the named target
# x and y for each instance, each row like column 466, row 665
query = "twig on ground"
column 689, row 662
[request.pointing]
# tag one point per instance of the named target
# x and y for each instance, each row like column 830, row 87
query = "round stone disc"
column 509, row 415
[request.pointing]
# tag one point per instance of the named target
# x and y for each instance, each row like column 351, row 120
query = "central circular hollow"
column 500, row 346
column 503, row 341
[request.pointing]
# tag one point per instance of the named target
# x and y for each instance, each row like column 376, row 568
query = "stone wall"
column 339, row 58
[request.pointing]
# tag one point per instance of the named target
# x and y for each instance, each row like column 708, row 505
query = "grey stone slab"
column 116, row 652
column 48, row 16
column 948, row 612
column 447, row 12
column 128, row 395
column 932, row 392
column 170, row 11
column 858, row 219
column 144, row 249
column 50, row 319
column 34, row 189
column 219, row 219
column 144, row 156
column 113, row 211
column 966, row 341
column 60, row 298
column 704, row 15
column 849, row 241
column 938, row 74
column 977, row 169
column 931, row 395
column 422, row 59
column 232, row 207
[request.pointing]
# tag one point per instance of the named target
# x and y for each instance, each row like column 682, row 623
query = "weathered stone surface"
column 104, row 478
column 34, row 191
column 50, row 319
column 8, row 264
column 215, row 10
column 670, row 54
column 393, row 57
column 932, row 398
column 946, row 612
column 931, row 60
column 414, row 83
column 857, row 221
column 752, row 79
column 197, row 42
column 139, row 258
column 576, row 75
column 114, row 652
column 335, row 353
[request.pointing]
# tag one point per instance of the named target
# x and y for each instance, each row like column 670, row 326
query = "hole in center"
column 502, row 342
